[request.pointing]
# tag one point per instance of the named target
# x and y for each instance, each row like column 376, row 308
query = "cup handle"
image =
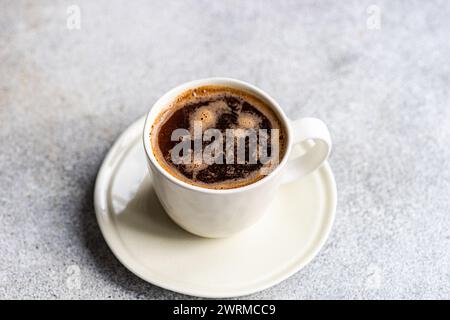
column 313, row 135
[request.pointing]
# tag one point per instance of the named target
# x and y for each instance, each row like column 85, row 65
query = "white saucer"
column 149, row 244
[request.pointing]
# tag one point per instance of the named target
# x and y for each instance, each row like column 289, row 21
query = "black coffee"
column 225, row 110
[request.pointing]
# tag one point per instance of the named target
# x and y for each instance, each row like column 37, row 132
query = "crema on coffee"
column 218, row 137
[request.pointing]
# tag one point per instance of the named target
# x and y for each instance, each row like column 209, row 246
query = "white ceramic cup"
column 221, row 213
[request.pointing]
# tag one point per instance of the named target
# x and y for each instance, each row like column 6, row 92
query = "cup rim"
column 234, row 83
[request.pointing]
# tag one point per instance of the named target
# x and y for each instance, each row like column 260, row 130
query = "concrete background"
column 66, row 95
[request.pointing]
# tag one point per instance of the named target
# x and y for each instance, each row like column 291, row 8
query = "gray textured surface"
column 65, row 96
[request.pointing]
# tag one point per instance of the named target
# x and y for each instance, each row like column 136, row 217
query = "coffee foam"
column 249, row 121
column 216, row 103
column 208, row 115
